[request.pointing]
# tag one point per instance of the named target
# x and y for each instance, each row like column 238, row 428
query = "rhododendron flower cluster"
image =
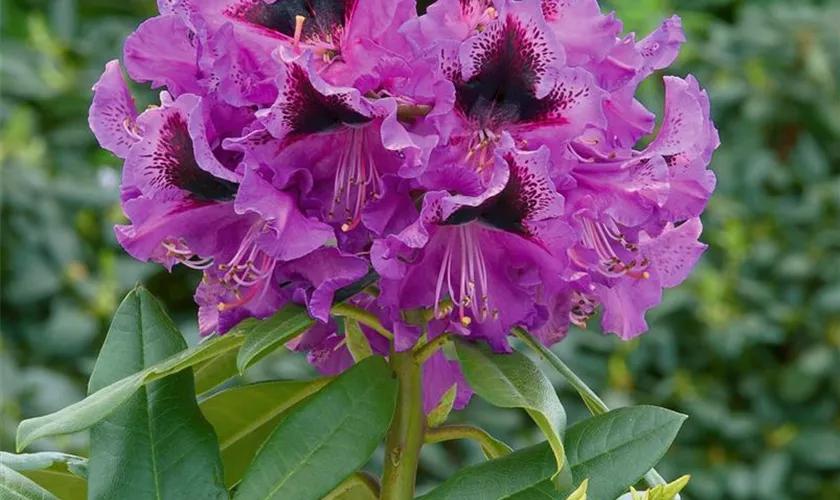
column 480, row 158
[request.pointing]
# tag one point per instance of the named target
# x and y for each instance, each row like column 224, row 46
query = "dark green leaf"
column 98, row 405
column 613, row 450
column 157, row 444
column 245, row 416
column 262, row 337
column 326, row 438
column 514, row 381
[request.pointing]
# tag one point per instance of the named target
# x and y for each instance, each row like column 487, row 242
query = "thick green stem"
column 595, row 404
column 492, row 447
column 405, row 437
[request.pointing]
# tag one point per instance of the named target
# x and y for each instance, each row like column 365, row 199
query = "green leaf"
column 613, row 450
column 616, row 449
column 245, row 416
column 262, row 337
column 359, row 486
column 357, row 343
column 87, row 412
column 325, row 438
column 58, row 473
column 215, row 371
column 514, row 381
column 441, row 412
column 499, row 478
column 44, row 460
column 16, row 486
column 157, row 444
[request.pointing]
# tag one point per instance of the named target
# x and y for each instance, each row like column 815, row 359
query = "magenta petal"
column 113, row 113
column 287, row 233
column 439, row 375
column 625, row 305
column 163, row 51
column 325, row 270
column 586, row 34
column 675, row 252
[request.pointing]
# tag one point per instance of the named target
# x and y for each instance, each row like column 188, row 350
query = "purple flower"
column 485, row 250
column 510, row 76
column 348, row 37
column 625, row 206
column 347, row 153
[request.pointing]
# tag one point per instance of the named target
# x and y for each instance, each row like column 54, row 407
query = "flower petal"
column 113, row 113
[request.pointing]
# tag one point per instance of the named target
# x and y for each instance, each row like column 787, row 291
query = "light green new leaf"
column 59, row 482
column 580, row 493
column 87, row 412
column 262, row 337
column 245, row 416
column 514, row 381
column 613, row 450
column 441, row 412
column 16, row 486
column 357, row 343
column 157, row 444
column 325, row 438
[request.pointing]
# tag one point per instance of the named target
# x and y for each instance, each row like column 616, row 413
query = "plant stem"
column 405, row 437
column 426, row 351
column 364, row 317
column 595, row 404
column 492, row 447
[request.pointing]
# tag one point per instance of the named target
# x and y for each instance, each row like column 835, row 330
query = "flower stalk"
column 405, row 437
column 492, row 447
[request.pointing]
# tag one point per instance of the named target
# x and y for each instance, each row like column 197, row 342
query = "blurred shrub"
column 749, row 347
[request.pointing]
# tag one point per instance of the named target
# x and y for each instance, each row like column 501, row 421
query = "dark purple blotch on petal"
column 324, row 18
column 508, row 62
column 174, row 164
column 525, row 196
column 308, row 111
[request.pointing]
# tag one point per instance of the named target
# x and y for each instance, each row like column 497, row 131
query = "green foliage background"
column 749, row 347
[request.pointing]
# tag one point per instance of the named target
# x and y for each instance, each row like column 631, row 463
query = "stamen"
column 299, row 20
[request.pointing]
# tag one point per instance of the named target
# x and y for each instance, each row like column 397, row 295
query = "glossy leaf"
column 613, row 451
column 325, row 438
column 243, row 418
column 16, row 486
column 98, row 405
column 262, row 337
column 157, row 444
column 514, row 381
